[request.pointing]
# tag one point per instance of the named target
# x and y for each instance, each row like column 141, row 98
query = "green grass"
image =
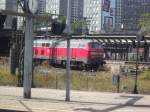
column 85, row 81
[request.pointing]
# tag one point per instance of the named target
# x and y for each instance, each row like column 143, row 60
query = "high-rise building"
column 42, row 6
column 100, row 15
column 60, row 7
column 77, row 10
column 128, row 13
column 11, row 21
column 92, row 13
column 52, row 6
column 20, row 20
column 2, row 4
column 118, row 22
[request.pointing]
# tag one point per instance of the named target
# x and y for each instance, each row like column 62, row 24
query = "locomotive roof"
column 43, row 41
column 84, row 41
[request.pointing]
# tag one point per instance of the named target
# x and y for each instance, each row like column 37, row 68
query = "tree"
column 144, row 23
column 79, row 26
column 76, row 27
column 58, row 25
column 44, row 22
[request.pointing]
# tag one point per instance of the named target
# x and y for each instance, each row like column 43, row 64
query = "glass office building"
column 100, row 15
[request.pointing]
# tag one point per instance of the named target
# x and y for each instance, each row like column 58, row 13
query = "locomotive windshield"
column 41, row 44
column 95, row 45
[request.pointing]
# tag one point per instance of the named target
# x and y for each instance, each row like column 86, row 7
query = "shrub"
column 6, row 78
column 145, row 75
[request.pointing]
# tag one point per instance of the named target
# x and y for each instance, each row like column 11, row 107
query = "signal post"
column 30, row 7
column 28, row 58
column 68, row 28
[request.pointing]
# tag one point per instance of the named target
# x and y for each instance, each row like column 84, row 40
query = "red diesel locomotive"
column 85, row 53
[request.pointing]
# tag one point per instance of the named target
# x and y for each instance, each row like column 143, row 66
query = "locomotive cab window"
column 37, row 45
column 43, row 44
column 81, row 45
column 95, row 45
column 74, row 45
column 63, row 45
column 47, row 45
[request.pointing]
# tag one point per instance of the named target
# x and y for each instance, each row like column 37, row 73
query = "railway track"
column 134, row 62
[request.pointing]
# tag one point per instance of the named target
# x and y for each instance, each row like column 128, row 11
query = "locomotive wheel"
column 85, row 67
column 63, row 63
column 96, row 68
column 80, row 66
